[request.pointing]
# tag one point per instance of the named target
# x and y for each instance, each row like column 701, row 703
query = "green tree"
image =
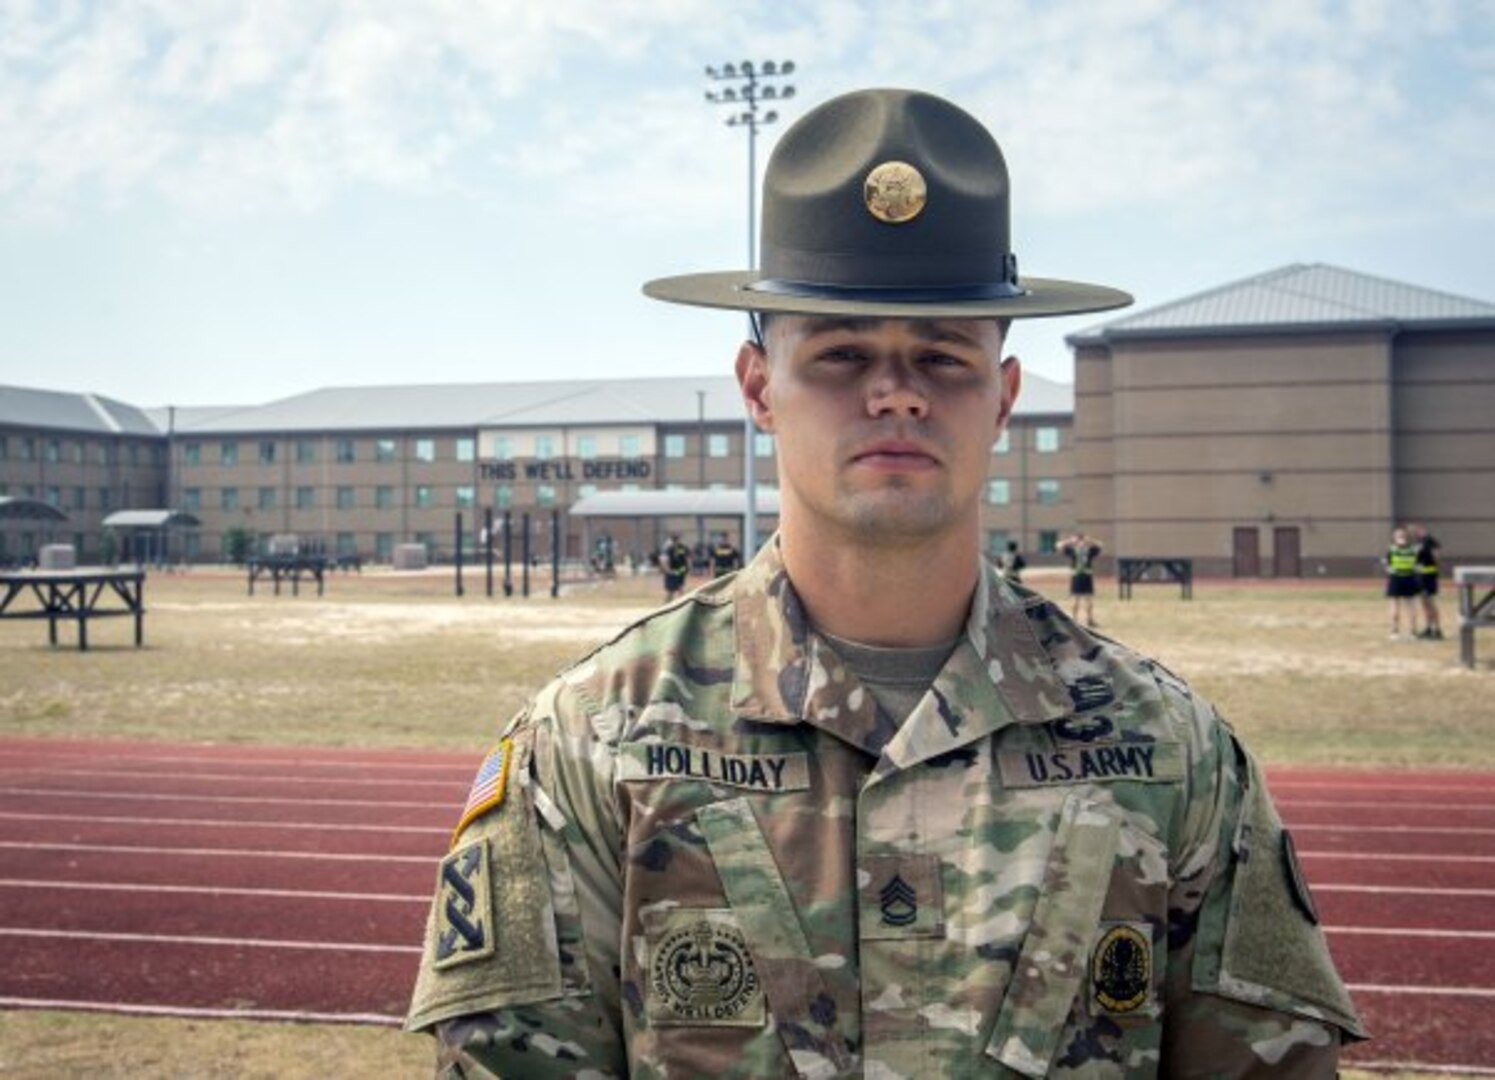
column 236, row 544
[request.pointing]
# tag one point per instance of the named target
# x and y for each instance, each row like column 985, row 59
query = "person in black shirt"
column 724, row 556
column 1081, row 551
column 1427, row 579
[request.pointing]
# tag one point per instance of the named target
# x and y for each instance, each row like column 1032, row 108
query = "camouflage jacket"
column 710, row 854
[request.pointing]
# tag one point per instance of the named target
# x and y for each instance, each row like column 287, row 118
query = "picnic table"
column 1476, row 585
column 1138, row 570
column 290, row 568
column 75, row 594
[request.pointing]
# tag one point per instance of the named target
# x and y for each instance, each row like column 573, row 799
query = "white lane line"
column 1399, row 931
column 1453, row 830
column 216, row 823
column 234, row 853
column 201, row 1013
column 1395, row 856
column 1399, row 890
column 1425, row 991
column 191, row 939
column 267, row 778
column 1419, row 1067
column 218, row 759
column 69, row 793
column 1321, row 786
column 210, row 890
column 1335, row 804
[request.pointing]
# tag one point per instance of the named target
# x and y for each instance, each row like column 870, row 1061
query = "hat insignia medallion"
column 895, row 192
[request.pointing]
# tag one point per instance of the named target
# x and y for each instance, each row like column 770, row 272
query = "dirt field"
column 1304, row 671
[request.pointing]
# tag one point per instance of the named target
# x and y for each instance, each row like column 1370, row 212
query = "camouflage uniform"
column 716, row 856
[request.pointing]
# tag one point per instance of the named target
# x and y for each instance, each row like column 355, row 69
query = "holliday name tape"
column 677, row 761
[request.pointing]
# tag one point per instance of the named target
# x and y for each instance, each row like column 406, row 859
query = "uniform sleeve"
column 1251, row 988
column 520, row 971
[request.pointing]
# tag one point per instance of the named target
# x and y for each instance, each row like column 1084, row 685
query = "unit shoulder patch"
column 464, row 930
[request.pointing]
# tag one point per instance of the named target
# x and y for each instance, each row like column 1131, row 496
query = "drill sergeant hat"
column 893, row 204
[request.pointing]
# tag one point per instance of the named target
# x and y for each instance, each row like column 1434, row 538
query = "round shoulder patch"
column 1121, row 969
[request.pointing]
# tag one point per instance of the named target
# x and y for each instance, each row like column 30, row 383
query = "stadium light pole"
column 752, row 83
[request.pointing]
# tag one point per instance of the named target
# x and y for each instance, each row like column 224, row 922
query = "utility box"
column 409, row 557
column 57, row 557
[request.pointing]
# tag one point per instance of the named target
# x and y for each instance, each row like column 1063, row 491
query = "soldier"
column 674, row 562
column 837, row 815
column 1427, row 581
column 1402, row 582
column 1081, row 551
column 724, row 556
column 1012, row 563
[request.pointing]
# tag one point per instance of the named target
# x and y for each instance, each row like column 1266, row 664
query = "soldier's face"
column 883, row 427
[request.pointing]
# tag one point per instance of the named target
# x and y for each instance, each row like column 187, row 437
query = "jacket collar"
column 785, row 672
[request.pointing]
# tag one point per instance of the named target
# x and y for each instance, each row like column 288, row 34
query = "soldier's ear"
column 753, row 379
column 1011, row 374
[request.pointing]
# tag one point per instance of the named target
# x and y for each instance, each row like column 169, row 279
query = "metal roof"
column 1298, row 297
column 663, row 400
column 150, row 519
column 727, row 502
column 25, row 407
column 15, row 508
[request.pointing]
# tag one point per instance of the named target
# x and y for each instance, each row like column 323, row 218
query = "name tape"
column 677, row 761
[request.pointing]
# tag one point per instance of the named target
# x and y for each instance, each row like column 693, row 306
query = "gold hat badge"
column 895, row 192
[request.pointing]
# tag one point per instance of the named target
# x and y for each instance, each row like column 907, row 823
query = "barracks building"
column 1277, row 426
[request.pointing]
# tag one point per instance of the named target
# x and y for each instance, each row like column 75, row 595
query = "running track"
column 292, row 884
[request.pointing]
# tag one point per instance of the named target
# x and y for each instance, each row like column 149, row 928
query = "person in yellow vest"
column 1402, row 582
column 1427, row 582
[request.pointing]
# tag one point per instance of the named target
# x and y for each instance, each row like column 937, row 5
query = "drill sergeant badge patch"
column 1121, row 969
column 464, row 929
column 700, row 972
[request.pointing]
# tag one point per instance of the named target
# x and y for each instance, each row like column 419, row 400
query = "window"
column 194, row 546
column 1048, row 542
column 467, row 449
column 347, row 544
column 545, row 495
column 345, row 454
column 586, row 447
column 228, row 499
column 674, row 446
column 1003, row 444
column 266, row 499
column 306, row 498
column 78, row 499
column 306, row 452
column 503, row 497
column 1047, row 492
column 996, row 541
column 79, row 452
column 466, row 497
column 586, row 490
column 502, row 451
column 4, row 448
column 998, row 492
column 544, row 447
column 1046, row 440
column 628, row 446
column 384, row 546
column 54, row 496
column 762, row 444
column 425, row 450
column 423, row 496
column 428, row 541
column 384, row 497
column 384, row 450
column 103, row 453
column 133, row 453
column 267, row 452
column 716, row 445
column 191, row 453
column 344, row 497
column 105, row 501
column 54, row 450
column 28, row 448
column 228, row 453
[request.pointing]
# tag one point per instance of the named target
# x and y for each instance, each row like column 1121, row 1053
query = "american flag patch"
column 487, row 787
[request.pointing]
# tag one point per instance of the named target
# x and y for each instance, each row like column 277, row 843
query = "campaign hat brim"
column 734, row 290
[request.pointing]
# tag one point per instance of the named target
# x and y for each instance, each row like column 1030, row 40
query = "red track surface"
column 293, row 883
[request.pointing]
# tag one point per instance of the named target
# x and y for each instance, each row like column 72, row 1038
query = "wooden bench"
column 1476, row 585
column 1137, row 570
column 290, row 568
column 76, row 595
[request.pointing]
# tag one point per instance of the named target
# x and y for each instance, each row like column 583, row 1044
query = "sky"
column 226, row 202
